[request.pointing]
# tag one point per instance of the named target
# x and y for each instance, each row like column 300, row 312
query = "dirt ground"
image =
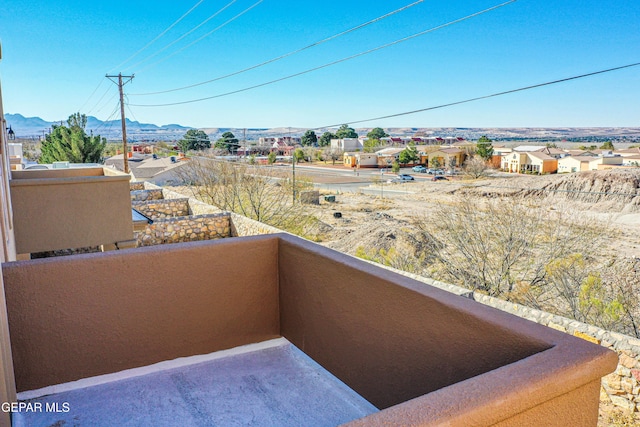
column 390, row 210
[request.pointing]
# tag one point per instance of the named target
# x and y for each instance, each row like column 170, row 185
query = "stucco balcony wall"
column 70, row 208
column 421, row 355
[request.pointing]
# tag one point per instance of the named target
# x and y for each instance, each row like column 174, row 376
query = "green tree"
column 377, row 133
column 484, row 148
column 408, row 155
column 372, row 145
column 271, row 158
column 298, row 155
column 395, row 167
column 346, row 132
column 228, row 142
column 309, row 138
column 194, row 139
column 72, row 144
column 325, row 139
column 607, row 146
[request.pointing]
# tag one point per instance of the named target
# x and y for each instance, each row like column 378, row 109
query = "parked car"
column 439, row 178
column 405, row 177
column 420, row 169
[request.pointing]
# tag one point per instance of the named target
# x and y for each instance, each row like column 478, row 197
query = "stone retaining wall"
column 163, row 209
column 134, row 186
column 185, row 229
column 196, row 207
column 145, row 195
column 243, row 226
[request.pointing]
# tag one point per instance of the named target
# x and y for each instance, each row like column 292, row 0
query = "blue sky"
column 55, row 56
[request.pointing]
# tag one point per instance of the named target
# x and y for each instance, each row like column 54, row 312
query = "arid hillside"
column 610, row 199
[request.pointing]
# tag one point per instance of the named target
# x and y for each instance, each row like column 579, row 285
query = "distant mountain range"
column 35, row 127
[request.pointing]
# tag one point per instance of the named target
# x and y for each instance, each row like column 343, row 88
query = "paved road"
column 341, row 180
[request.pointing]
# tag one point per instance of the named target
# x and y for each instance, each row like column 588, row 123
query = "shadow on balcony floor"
column 271, row 383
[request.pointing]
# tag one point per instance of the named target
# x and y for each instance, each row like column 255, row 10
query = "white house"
column 346, row 144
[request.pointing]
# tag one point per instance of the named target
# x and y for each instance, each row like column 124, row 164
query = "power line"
column 99, row 101
column 358, row 27
column 206, row 35
column 92, row 93
column 159, row 35
column 334, row 62
column 608, row 70
column 183, row 36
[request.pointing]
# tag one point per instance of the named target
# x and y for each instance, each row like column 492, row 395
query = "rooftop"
column 265, row 384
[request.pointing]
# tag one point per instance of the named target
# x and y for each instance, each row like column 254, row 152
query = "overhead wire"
column 204, row 36
column 182, row 37
column 159, row 35
column 278, row 58
column 90, row 96
column 478, row 98
column 421, row 33
column 99, row 101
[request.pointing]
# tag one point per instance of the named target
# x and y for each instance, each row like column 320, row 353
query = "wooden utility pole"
column 120, row 84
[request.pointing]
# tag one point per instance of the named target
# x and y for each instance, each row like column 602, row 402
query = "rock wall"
column 185, row 229
column 145, row 195
column 163, row 209
column 243, row 226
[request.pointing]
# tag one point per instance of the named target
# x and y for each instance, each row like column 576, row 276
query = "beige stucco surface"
column 70, row 208
column 424, row 356
column 86, row 315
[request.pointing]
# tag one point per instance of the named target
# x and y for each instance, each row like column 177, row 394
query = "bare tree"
column 258, row 192
column 501, row 246
column 475, row 167
column 333, row 154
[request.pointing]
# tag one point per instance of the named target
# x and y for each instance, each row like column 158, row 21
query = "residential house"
column 360, row 160
column 571, row 164
column 529, row 162
column 346, row 144
column 631, row 161
column 423, row 152
column 554, row 152
column 387, row 156
column 446, row 157
column 282, row 147
column 159, row 170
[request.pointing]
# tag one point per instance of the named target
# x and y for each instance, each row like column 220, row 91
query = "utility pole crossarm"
column 120, row 84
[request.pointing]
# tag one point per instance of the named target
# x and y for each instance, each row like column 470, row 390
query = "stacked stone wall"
column 163, row 209
column 185, row 229
column 145, row 195
column 243, row 226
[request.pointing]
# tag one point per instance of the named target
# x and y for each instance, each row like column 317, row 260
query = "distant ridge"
column 34, row 127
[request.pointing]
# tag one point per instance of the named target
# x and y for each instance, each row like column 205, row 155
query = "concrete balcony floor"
column 265, row 384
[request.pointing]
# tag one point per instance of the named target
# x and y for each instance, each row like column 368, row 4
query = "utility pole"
column 120, row 84
column 293, row 166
